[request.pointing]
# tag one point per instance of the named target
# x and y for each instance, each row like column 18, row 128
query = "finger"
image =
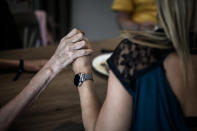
column 73, row 32
column 83, row 52
column 88, row 45
column 68, row 42
column 69, row 35
column 83, row 32
column 79, row 45
column 77, row 37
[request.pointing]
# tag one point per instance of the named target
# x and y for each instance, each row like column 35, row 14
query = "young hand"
column 83, row 64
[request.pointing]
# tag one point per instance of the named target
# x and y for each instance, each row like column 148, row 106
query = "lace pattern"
column 129, row 58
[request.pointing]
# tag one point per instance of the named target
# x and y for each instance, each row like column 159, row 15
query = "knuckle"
column 79, row 53
column 70, row 54
column 67, row 48
column 62, row 40
column 70, row 48
column 83, row 42
column 80, row 35
column 74, row 30
column 83, row 52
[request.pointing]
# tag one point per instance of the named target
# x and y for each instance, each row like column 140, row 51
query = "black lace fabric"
column 129, row 58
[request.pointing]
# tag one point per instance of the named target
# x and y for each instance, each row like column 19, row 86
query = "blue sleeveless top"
column 140, row 70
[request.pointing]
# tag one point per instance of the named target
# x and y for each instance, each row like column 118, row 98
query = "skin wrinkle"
column 74, row 31
column 46, row 82
column 79, row 45
column 78, row 37
column 65, row 53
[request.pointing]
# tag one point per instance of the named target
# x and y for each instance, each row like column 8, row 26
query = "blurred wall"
column 95, row 18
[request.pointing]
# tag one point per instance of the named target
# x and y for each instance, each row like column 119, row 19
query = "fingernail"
column 83, row 32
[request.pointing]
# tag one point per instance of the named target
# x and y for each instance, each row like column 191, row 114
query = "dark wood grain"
column 58, row 107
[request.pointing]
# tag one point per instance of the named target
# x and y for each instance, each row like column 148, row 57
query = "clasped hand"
column 72, row 46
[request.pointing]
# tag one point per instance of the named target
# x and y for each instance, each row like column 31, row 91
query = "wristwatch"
column 81, row 77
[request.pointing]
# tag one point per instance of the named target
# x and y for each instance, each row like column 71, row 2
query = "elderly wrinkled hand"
column 71, row 47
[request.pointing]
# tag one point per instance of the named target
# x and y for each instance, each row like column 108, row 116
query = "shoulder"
column 134, row 55
column 129, row 58
column 122, row 5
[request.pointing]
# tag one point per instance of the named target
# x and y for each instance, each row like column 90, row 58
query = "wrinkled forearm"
column 38, row 83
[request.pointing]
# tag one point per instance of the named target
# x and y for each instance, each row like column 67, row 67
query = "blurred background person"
column 135, row 14
column 20, row 66
column 9, row 33
column 11, row 39
column 31, row 23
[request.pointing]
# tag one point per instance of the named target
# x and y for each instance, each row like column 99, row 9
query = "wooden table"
column 58, row 107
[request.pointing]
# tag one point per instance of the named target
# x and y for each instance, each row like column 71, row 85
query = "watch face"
column 76, row 80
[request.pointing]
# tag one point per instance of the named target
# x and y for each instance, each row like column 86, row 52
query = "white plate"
column 98, row 61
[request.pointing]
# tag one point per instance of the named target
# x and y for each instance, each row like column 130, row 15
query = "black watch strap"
column 87, row 77
column 81, row 77
column 20, row 70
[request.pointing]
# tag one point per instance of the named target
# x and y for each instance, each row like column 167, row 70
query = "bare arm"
column 39, row 82
column 125, row 22
column 8, row 64
column 71, row 47
column 90, row 105
column 114, row 114
column 29, row 65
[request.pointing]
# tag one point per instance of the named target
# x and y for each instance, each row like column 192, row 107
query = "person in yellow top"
column 135, row 14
